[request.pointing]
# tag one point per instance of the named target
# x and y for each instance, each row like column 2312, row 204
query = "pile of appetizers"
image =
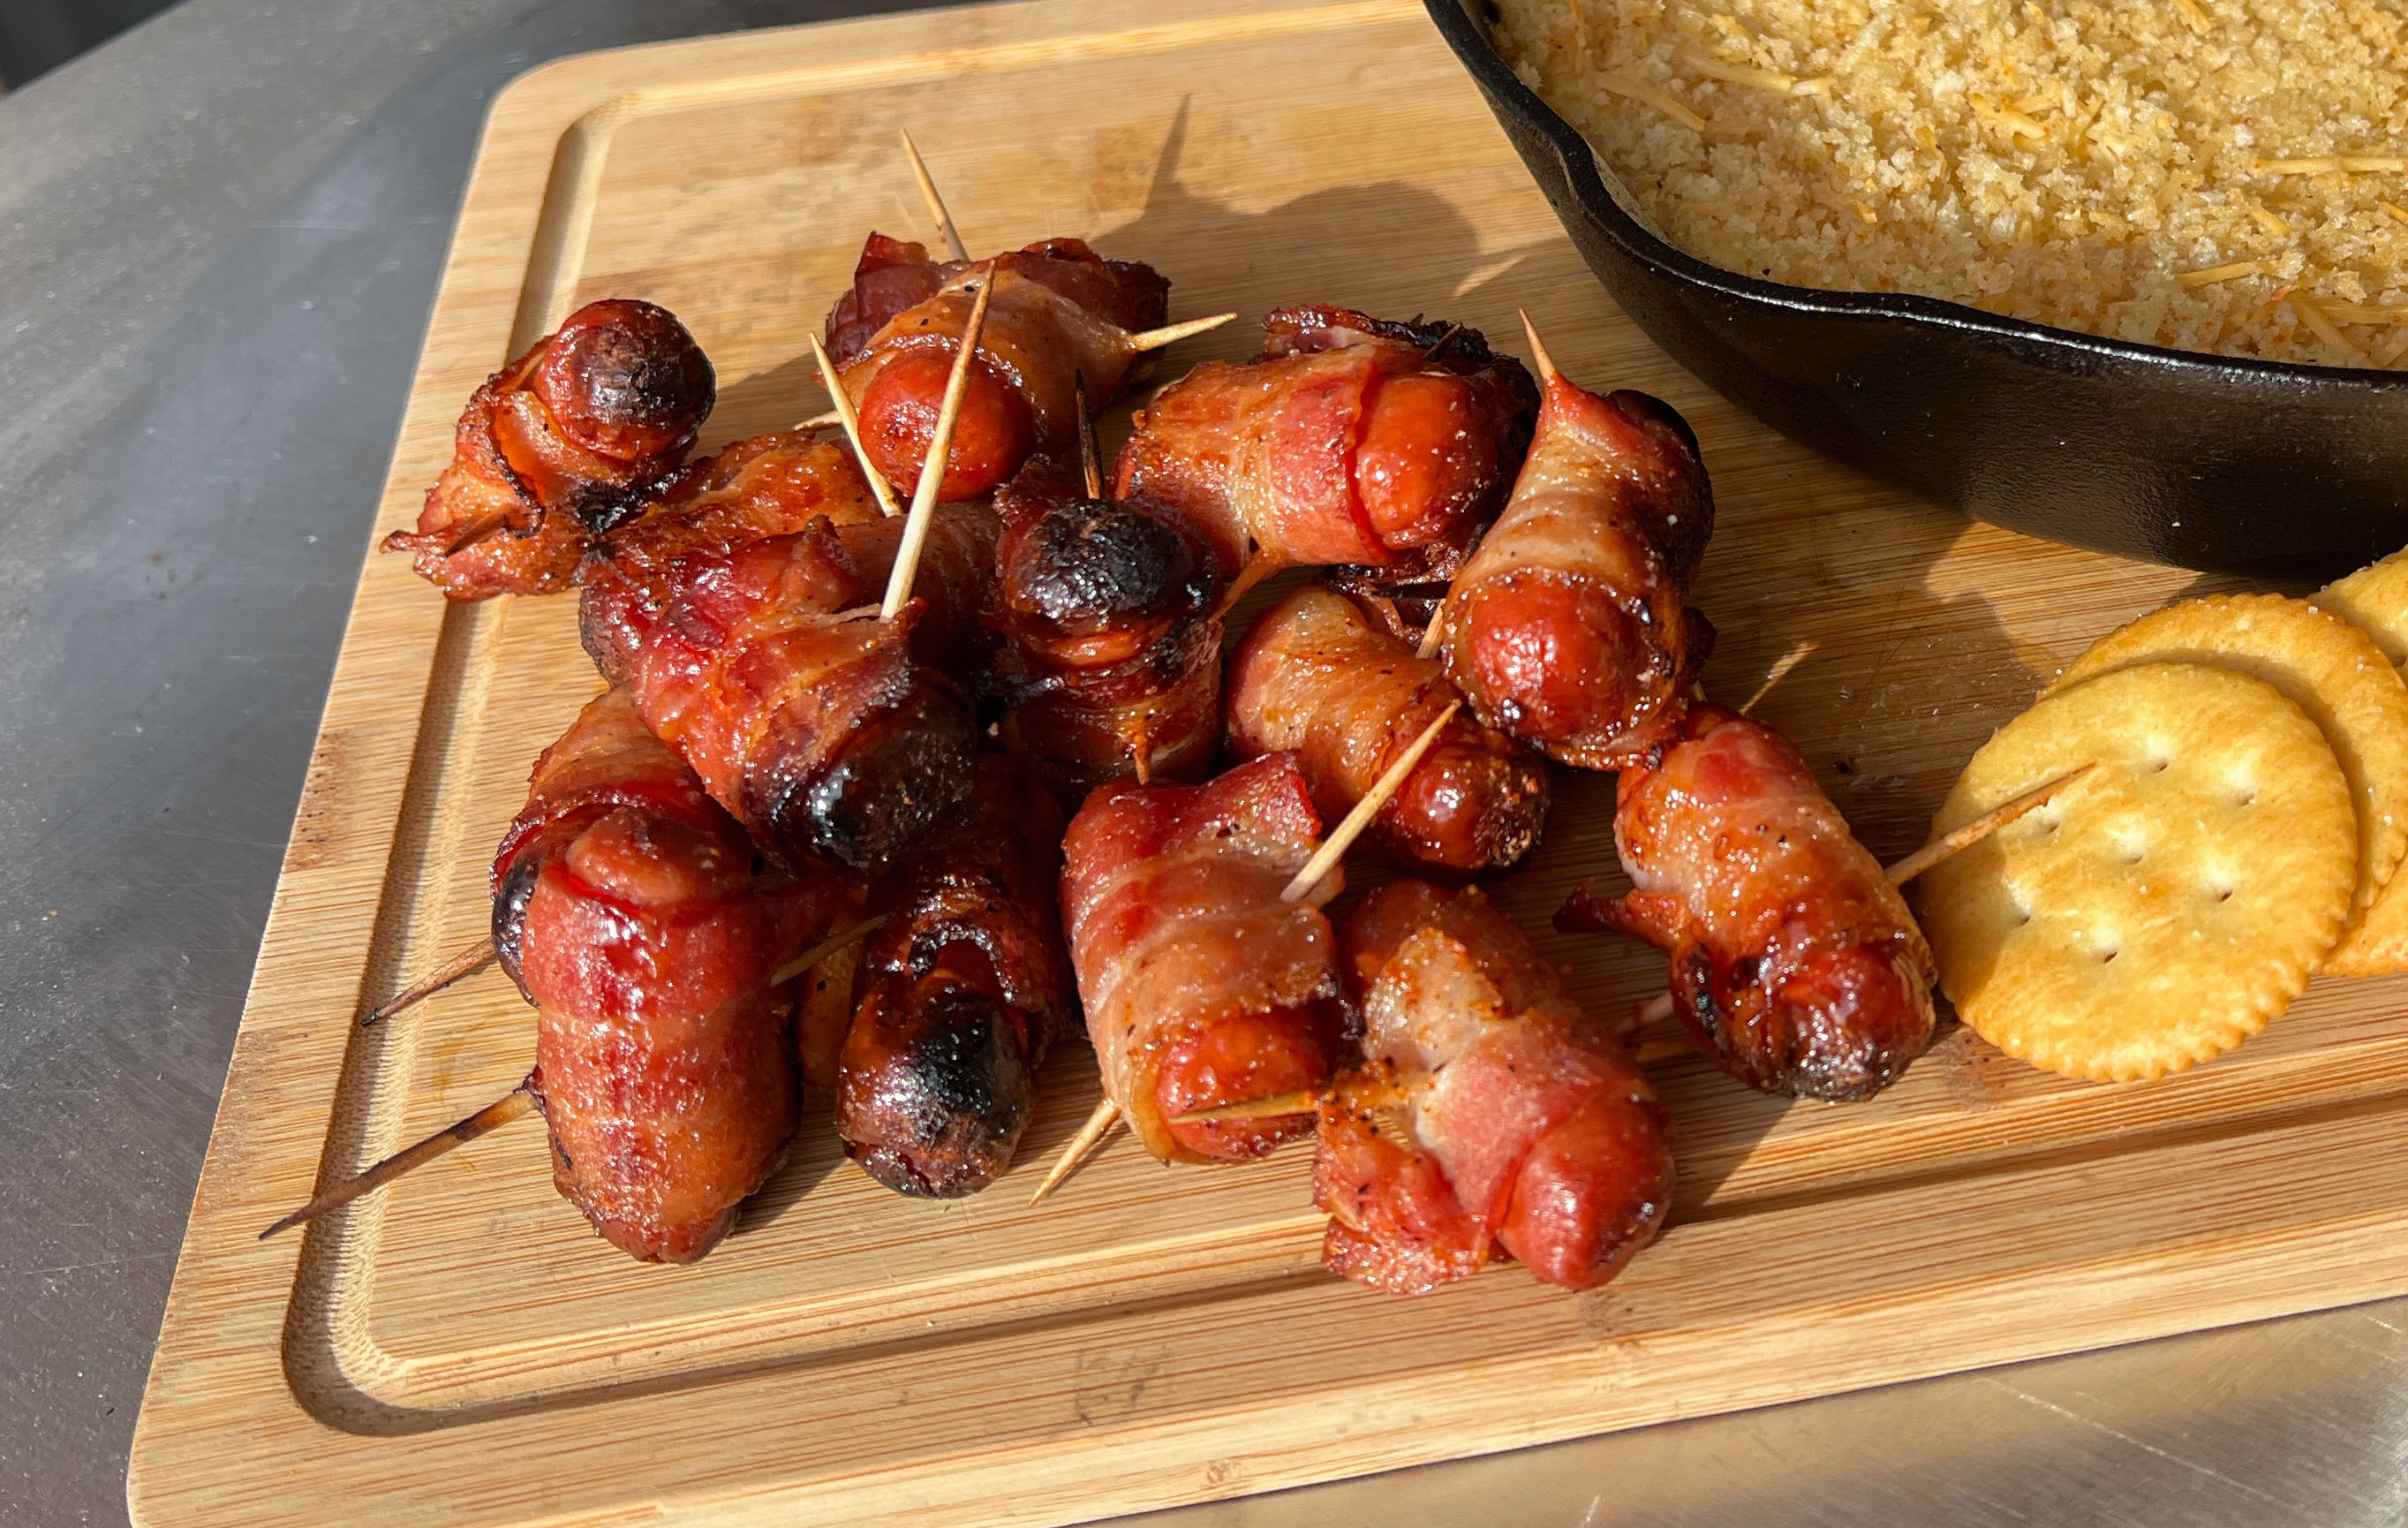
column 888, row 801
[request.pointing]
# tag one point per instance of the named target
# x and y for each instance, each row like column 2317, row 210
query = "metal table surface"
column 218, row 238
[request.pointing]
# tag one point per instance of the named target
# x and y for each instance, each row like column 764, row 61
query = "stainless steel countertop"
column 219, row 237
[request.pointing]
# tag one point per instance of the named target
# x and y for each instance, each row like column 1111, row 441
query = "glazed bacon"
column 1570, row 627
column 1201, row 986
column 767, row 485
column 1520, row 1122
column 1379, row 448
column 967, row 986
column 1059, row 312
column 821, row 727
column 1322, row 676
column 626, row 908
column 560, row 444
column 1113, row 662
column 1794, row 964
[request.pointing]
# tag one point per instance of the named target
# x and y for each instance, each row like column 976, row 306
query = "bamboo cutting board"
column 460, row 1348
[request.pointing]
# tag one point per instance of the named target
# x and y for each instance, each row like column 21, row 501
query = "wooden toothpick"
column 1538, row 349
column 1171, row 334
column 511, row 1105
column 1432, row 634
column 932, row 467
column 953, row 245
column 1980, row 828
column 1334, row 847
column 1091, row 1135
column 826, row 947
column 851, row 422
column 472, row 958
column 1091, row 453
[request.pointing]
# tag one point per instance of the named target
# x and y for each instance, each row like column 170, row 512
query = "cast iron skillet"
column 2238, row 466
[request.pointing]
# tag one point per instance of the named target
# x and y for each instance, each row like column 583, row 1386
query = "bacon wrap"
column 1318, row 675
column 826, row 736
column 638, row 573
column 967, row 986
column 1200, row 985
column 1114, row 658
column 1794, row 964
column 1349, row 443
column 564, row 442
column 767, row 485
column 664, row 1056
column 1059, row 312
column 1569, row 627
column 1523, row 1123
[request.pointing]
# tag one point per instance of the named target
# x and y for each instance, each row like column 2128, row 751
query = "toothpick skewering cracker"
column 2169, row 904
column 2334, row 673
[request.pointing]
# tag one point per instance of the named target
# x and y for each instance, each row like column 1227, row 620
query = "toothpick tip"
column 1538, row 347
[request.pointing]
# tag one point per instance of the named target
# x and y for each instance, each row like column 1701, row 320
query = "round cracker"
column 2323, row 665
column 2163, row 908
column 2375, row 601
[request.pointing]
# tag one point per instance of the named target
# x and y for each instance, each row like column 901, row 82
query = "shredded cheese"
column 2313, row 316
column 2193, row 280
column 2355, row 163
column 1648, row 96
column 1739, row 74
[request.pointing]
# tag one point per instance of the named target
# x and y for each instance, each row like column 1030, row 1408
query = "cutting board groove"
column 459, row 1349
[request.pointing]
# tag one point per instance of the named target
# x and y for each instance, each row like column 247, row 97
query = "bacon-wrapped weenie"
column 1509, row 1118
column 1060, row 312
column 1794, row 964
column 626, row 908
column 966, row 984
column 558, row 446
column 1114, row 658
column 1569, row 627
column 1201, row 986
column 1319, row 676
column 1378, row 448
column 825, row 730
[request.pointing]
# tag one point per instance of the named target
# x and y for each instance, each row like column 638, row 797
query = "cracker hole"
column 2105, row 956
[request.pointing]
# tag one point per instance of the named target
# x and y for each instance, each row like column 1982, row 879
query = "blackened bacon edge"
column 967, row 986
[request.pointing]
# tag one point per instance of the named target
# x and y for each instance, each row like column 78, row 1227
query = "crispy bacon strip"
column 1113, row 665
column 1520, row 1123
column 819, row 728
column 1319, row 674
column 1794, row 964
column 1349, row 443
column 626, row 909
column 1059, row 312
column 1569, row 627
column 1201, row 986
column 967, row 986
column 768, row 485
column 564, row 442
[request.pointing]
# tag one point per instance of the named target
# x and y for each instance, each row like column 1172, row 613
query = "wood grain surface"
column 460, row 1348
